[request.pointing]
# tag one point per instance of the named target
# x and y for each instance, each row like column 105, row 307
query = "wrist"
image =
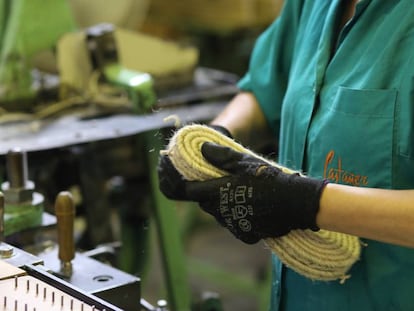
column 327, row 199
column 307, row 198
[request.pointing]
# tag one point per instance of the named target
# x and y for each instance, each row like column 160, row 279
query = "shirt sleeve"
column 268, row 71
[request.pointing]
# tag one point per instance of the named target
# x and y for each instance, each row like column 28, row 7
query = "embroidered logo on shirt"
column 333, row 171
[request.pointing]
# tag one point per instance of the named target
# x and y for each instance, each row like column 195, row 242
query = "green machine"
column 28, row 27
column 25, row 30
column 103, row 52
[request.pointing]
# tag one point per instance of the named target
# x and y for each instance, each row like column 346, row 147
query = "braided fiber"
column 321, row 255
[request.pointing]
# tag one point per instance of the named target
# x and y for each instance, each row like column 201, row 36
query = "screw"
column 6, row 251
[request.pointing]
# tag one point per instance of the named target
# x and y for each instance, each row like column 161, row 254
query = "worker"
column 332, row 82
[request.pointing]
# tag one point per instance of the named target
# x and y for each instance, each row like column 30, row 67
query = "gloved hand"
column 171, row 183
column 256, row 200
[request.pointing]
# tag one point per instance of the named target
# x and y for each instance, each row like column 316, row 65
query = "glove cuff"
column 311, row 191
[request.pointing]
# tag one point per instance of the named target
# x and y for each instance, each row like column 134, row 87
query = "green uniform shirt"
column 343, row 110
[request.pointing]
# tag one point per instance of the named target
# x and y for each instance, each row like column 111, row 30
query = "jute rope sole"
column 322, row 255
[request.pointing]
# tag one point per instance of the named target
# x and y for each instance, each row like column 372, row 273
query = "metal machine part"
column 103, row 51
column 87, row 274
column 76, row 129
column 101, row 44
column 25, row 285
column 96, row 286
column 23, row 207
column 18, row 189
column 197, row 103
column 6, row 251
column 98, row 279
column 17, row 168
column 32, row 288
column 16, row 256
column 65, row 214
column 92, row 282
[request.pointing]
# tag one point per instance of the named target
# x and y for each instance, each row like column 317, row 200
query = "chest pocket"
column 351, row 138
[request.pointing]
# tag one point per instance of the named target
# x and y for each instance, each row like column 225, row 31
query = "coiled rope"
column 321, row 255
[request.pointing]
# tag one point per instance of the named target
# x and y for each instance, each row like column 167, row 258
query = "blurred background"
column 87, row 89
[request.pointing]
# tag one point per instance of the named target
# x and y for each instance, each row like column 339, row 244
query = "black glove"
column 171, row 183
column 221, row 129
column 256, row 200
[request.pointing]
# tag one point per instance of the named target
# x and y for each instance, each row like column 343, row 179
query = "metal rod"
column 16, row 163
column 65, row 214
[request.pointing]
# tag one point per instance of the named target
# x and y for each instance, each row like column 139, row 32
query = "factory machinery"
column 60, row 278
column 102, row 92
column 56, row 276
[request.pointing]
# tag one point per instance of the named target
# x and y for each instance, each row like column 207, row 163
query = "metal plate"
column 72, row 130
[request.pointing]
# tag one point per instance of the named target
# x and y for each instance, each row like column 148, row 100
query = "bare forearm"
column 244, row 119
column 383, row 215
column 378, row 214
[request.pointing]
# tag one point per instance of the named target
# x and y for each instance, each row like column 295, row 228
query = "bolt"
column 6, row 251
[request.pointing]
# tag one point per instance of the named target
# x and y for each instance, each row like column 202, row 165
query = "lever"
column 65, row 214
